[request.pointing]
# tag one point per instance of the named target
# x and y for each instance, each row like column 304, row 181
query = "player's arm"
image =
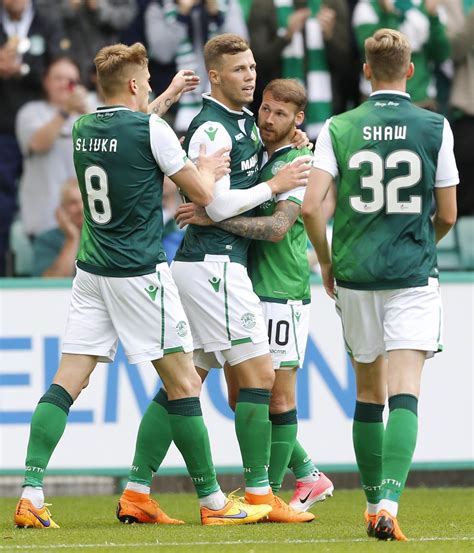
column 319, row 182
column 447, row 178
column 271, row 227
column 184, row 81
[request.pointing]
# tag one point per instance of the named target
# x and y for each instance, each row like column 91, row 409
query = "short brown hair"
column 223, row 44
column 288, row 90
column 114, row 64
column 388, row 53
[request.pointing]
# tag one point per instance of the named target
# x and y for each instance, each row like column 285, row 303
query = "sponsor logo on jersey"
column 215, row 283
column 298, row 316
column 211, row 133
column 277, row 166
column 249, row 163
column 151, row 291
column 182, row 328
column 248, row 320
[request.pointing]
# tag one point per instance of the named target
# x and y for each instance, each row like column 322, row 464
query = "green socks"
column 190, row 436
column 300, row 462
column 367, row 437
column 253, row 429
column 284, row 430
column 153, row 440
column 47, row 427
column 399, row 444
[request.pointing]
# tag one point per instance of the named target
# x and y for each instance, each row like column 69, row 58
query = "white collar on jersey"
column 207, row 96
column 102, row 109
column 399, row 92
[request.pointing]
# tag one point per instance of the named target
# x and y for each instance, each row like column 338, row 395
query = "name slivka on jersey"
column 96, row 145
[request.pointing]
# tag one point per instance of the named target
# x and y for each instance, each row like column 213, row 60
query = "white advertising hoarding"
column 104, row 420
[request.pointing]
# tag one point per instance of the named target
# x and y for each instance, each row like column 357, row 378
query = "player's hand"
column 217, row 163
column 300, row 140
column 184, row 81
column 291, row 175
column 328, row 278
column 192, row 214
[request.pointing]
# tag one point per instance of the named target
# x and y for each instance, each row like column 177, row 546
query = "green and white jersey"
column 279, row 270
column 216, row 126
column 389, row 155
column 120, row 158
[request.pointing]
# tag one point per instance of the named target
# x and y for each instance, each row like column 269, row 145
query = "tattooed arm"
column 184, row 81
column 270, row 227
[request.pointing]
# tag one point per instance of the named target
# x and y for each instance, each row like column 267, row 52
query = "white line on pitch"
column 210, row 543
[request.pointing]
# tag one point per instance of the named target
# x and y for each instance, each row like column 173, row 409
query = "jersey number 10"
column 387, row 195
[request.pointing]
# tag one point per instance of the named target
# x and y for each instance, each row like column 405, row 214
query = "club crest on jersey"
column 248, row 320
column 277, row 166
column 182, row 328
column 215, row 283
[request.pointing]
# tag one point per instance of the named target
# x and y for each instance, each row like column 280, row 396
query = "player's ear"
column 214, row 77
column 299, row 118
column 410, row 71
column 367, row 71
column 132, row 86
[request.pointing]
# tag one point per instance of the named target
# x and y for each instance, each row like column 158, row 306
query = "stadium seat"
column 449, row 257
column 21, row 250
column 465, row 234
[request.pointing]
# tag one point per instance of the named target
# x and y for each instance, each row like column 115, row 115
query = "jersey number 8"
column 97, row 187
column 388, row 194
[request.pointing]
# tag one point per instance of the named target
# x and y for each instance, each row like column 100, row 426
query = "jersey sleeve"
column 296, row 195
column 226, row 203
column 165, row 146
column 446, row 169
column 324, row 156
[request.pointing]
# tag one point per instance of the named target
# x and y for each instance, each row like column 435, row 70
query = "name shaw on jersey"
column 379, row 132
column 96, row 145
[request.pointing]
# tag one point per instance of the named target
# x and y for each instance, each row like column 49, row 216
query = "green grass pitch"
column 436, row 520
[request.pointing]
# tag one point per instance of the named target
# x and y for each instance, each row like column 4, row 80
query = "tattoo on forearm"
column 156, row 109
column 264, row 228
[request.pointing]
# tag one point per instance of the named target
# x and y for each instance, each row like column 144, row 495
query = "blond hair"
column 288, row 90
column 226, row 43
column 115, row 65
column 388, row 53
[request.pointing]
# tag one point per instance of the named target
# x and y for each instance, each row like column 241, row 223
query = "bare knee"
column 282, row 402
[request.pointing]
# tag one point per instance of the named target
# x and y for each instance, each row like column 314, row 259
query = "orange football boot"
column 387, row 528
column 139, row 507
column 28, row 516
column 281, row 511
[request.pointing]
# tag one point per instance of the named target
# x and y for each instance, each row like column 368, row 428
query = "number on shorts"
column 97, row 188
column 389, row 194
column 282, row 332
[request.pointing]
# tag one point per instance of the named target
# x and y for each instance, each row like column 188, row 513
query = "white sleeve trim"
column 324, row 157
column 165, row 146
column 229, row 203
column 446, row 169
column 297, row 193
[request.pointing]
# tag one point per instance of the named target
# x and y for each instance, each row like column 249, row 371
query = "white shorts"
column 377, row 321
column 221, row 306
column 144, row 312
column 288, row 327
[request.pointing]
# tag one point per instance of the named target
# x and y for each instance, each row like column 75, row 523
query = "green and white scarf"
column 305, row 59
column 191, row 102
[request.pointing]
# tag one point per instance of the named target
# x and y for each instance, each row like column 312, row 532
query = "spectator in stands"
column 177, row 31
column 420, row 23
column 28, row 41
column 43, row 130
column 461, row 32
column 307, row 41
column 92, row 24
column 55, row 250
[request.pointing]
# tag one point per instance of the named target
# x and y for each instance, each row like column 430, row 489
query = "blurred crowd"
column 47, row 81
